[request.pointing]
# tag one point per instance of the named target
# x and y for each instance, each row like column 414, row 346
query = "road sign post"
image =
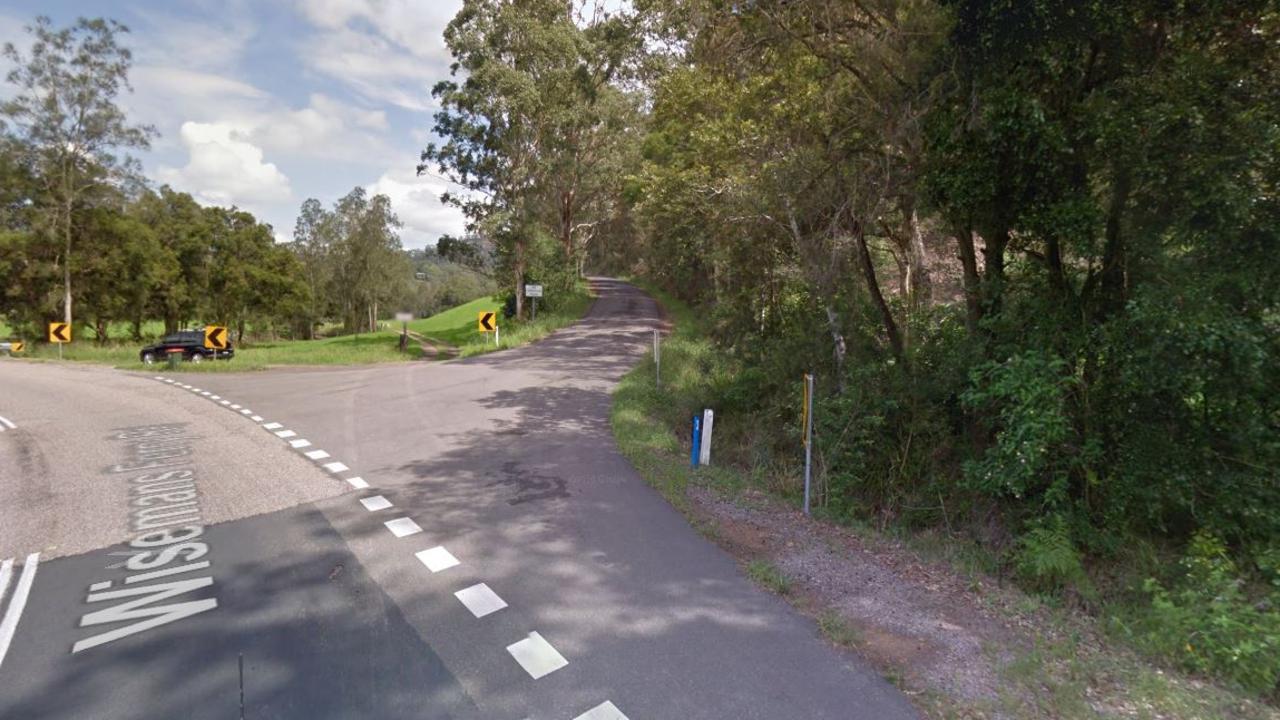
column 488, row 322
column 533, row 292
column 59, row 334
column 404, row 319
column 216, row 338
column 808, row 436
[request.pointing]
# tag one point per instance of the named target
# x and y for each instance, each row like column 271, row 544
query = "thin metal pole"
column 808, row 437
column 241, row 656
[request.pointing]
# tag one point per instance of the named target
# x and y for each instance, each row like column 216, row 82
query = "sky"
column 265, row 104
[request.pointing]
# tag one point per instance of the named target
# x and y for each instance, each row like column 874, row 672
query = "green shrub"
column 1206, row 623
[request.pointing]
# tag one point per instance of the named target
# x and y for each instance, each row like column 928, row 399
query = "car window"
column 171, row 339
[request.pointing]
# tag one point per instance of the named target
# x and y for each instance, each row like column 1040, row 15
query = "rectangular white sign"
column 533, row 291
column 404, row 317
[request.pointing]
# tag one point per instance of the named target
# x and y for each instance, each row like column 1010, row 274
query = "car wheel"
column 197, row 358
column 148, row 359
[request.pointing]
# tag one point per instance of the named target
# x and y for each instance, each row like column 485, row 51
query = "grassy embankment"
column 1070, row 668
column 455, row 327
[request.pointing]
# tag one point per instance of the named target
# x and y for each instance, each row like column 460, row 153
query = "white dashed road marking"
column 480, row 600
column 235, row 407
column 604, row 711
column 299, row 443
column 273, row 426
column 316, row 454
column 437, row 559
column 256, row 418
column 7, row 423
column 377, row 502
column 336, row 467
column 402, row 527
column 215, row 397
column 285, row 433
column 536, row 656
column 358, row 483
column 246, row 411
column 225, row 402
column 19, row 601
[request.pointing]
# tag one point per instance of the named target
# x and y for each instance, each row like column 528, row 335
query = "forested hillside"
column 1028, row 248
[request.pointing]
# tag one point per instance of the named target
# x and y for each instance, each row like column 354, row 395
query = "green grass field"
column 456, row 327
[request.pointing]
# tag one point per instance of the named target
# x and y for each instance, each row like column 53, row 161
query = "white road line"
column 358, row 483
column 316, row 454
column 604, row 711
column 336, row 467
column 225, row 402
column 536, row 656
column 299, row 443
column 273, row 426
column 403, row 527
column 206, row 393
column 285, row 433
column 194, row 389
column 480, row 600
column 6, row 571
column 215, row 397
column 437, row 559
column 8, row 423
column 235, row 407
column 11, row 616
column 246, row 411
column 256, row 418
column 375, row 503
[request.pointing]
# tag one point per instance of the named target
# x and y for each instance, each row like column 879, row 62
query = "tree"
column 67, row 123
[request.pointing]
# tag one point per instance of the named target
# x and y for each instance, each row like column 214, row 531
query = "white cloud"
column 388, row 51
column 416, row 200
column 224, row 168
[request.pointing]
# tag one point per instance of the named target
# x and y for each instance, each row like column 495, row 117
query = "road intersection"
column 456, row 540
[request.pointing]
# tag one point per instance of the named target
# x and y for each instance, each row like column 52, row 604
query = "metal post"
column 535, row 309
column 808, row 437
column 496, row 332
column 657, row 362
column 59, row 351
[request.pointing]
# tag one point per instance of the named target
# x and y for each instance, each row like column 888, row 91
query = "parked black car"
column 188, row 342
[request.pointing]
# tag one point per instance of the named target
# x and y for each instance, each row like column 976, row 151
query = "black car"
column 188, row 342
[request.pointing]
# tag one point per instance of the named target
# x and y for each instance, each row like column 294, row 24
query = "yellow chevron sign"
column 59, row 332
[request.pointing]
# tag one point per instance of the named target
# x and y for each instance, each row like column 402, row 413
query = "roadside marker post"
column 657, row 362
column 808, row 436
column 404, row 319
column 704, row 451
column 696, row 442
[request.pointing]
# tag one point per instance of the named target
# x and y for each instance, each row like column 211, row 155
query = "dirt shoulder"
column 960, row 644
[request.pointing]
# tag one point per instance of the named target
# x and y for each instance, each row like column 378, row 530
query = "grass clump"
column 767, row 575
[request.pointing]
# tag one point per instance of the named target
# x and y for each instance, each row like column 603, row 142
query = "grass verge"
column 455, row 327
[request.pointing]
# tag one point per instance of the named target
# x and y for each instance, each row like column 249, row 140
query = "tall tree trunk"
column 877, row 297
column 972, row 284
column 519, row 277
column 66, row 264
column 993, row 269
column 1113, row 254
column 919, row 283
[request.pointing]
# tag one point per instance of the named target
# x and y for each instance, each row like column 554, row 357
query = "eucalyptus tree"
column 67, row 124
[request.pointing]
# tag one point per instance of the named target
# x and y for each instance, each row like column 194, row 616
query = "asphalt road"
column 470, row 545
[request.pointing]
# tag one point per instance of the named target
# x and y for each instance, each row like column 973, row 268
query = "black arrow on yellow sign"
column 215, row 337
column 59, row 332
column 487, row 323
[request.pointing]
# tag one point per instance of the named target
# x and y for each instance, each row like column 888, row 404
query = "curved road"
column 464, row 541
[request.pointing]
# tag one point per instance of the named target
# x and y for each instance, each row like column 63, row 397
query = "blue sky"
column 264, row 104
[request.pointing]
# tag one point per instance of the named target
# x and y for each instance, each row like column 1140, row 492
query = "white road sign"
column 533, row 291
